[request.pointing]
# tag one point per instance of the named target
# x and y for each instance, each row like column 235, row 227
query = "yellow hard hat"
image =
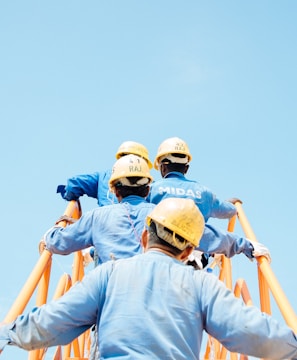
column 182, row 217
column 132, row 147
column 130, row 166
column 171, row 146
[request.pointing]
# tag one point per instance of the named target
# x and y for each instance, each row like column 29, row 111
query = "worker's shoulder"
column 103, row 174
column 204, row 276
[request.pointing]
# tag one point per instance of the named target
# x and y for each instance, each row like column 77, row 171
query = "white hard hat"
column 130, row 166
column 173, row 149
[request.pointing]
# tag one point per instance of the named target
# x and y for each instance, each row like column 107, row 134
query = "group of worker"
column 143, row 297
column 172, row 160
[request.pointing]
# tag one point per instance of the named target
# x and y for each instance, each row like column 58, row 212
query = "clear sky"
column 80, row 77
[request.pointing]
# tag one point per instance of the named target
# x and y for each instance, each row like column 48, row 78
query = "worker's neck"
column 164, row 251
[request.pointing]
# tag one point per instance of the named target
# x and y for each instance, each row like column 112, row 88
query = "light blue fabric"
column 114, row 230
column 151, row 306
column 175, row 184
column 214, row 240
column 217, row 241
column 93, row 185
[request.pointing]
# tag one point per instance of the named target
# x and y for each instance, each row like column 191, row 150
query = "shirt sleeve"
column 241, row 328
column 222, row 209
column 217, row 241
column 62, row 320
column 74, row 237
column 86, row 184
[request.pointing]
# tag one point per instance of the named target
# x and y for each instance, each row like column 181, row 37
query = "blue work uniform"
column 152, row 306
column 217, row 241
column 93, row 185
column 114, row 230
column 175, row 184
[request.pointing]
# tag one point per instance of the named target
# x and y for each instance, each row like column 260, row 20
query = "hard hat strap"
column 171, row 237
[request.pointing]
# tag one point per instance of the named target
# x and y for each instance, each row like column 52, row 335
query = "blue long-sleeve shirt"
column 175, row 184
column 115, row 231
column 152, row 306
column 94, row 185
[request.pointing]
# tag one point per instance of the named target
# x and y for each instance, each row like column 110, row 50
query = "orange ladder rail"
column 29, row 287
column 38, row 271
column 214, row 350
column 267, row 283
column 267, row 279
column 40, row 277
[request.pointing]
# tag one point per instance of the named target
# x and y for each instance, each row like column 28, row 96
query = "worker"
column 172, row 160
column 114, row 230
column 95, row 185
column 153, row 306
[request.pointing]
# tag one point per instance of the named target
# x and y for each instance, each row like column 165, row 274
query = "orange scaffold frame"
column 267, row 283
column 39, row 280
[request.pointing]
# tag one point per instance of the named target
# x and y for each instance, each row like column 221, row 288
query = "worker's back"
column 175, row 184
column 152, row 310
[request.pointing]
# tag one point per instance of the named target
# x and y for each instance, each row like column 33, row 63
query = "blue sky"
column 79, row 78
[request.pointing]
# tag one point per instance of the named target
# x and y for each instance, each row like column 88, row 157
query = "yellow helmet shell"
column 181, row 216
column 172, row 145
column 129, row 166
column 132, row 147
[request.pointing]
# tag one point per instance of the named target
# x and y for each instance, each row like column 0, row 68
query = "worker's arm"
column 78, row 186
column 241, row 328
column 62, row 320
column 74, row 237
column 217, row 241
